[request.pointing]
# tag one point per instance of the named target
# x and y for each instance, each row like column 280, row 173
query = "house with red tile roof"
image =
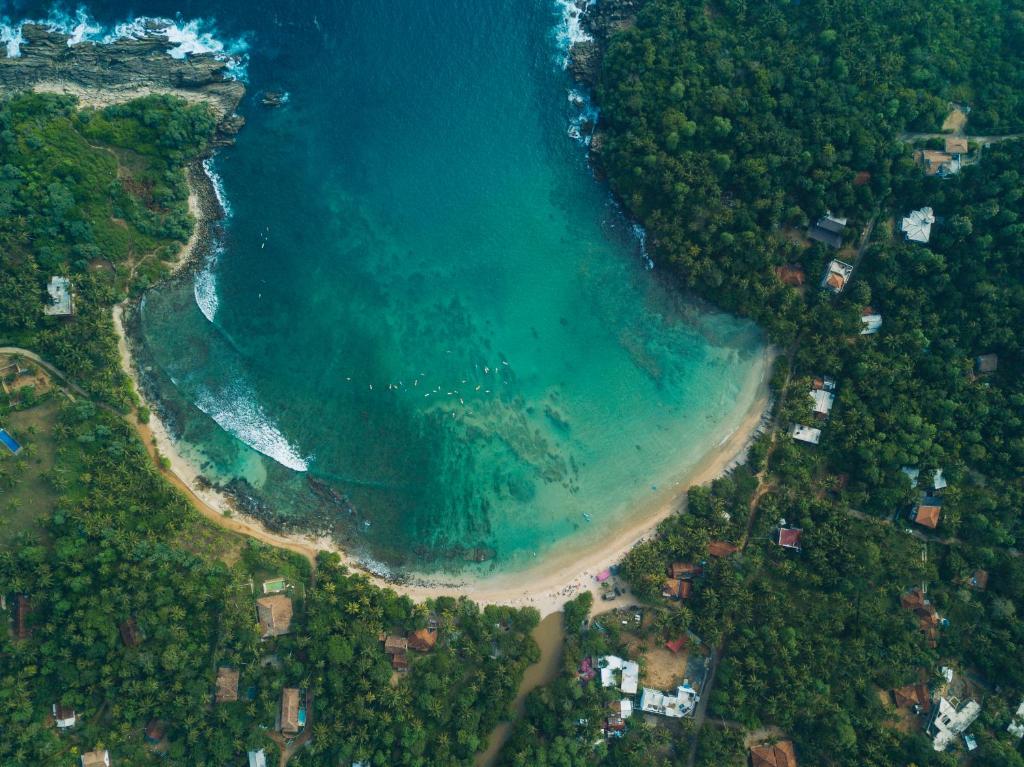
column 721, row 549
column 789, row 538
column 781, row 754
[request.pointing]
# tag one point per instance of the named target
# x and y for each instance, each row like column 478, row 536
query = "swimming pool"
column 9, row 441
column 272, row 587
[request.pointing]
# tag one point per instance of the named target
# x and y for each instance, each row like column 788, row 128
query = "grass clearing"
column 28, row 494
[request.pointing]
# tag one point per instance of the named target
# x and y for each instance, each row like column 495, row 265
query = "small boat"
column 587, row 517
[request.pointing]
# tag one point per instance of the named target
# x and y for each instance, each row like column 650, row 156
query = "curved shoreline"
column 556, row 578
column 559, row 574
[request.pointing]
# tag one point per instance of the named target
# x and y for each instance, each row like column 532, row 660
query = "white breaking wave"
column 581, row 125
column 10, row 36
column 204, row 288
column 84, row 28
column 641, row 235
column 238, row 413
column 570, row 28
column 218, row 186
column 184, row 38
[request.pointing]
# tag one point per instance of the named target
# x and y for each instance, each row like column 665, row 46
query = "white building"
column 61, row 305
column 823, row 401
column 918, row 225
column 951, row 720
column 675, row 706
column 630, row 673
column 1017, row 723
column 257, row 759
column 913, row 474
column 807, row 434
column 63, row 716
column 872, row 323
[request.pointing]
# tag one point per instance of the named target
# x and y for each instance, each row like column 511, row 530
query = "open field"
column 27, row 494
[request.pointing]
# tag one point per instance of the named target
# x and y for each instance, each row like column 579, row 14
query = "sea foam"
column 204, row 287
column 218, row 186
column 570, row 28
column 184, row 38
column 238, row 413
column 641, row 237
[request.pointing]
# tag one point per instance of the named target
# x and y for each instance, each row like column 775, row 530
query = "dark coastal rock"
column 601, row 20
column 273, row 98
column 120, row 70
column 585, row 61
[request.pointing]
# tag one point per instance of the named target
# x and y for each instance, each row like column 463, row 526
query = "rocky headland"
column 600, row 20
column 100, row 74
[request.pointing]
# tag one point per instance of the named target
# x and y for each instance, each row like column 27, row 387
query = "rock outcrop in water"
column 118, row 71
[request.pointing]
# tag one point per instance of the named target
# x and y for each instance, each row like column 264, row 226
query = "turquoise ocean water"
column 426, row 326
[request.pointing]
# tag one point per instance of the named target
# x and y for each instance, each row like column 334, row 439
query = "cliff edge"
column 108, row 73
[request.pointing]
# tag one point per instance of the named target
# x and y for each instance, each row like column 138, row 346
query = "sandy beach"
column 557, row 577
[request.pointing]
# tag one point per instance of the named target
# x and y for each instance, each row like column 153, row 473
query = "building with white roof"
column 257, row 759
column 871, row 322
column 629, row 676
column 918, row 225
column 1017, row 723
column 913, row 474
column 59, row 291
column 952, row 719
column 806, row 434
column 823, row 401
column 63, row 716
column 683, row 703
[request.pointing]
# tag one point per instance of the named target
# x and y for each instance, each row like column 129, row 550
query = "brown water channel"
column 549, row 636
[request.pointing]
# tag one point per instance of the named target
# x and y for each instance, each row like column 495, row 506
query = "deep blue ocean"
column 426, row 326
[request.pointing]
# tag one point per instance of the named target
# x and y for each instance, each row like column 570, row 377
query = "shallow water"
column 423, row 300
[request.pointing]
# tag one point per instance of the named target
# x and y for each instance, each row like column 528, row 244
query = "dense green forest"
column 122, row 545
column 99, row 197
column 133, row 601
column 723, row 123
column 727, row 129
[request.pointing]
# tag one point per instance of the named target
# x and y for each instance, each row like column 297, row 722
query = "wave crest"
column 204, row 287
column 239, row 414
